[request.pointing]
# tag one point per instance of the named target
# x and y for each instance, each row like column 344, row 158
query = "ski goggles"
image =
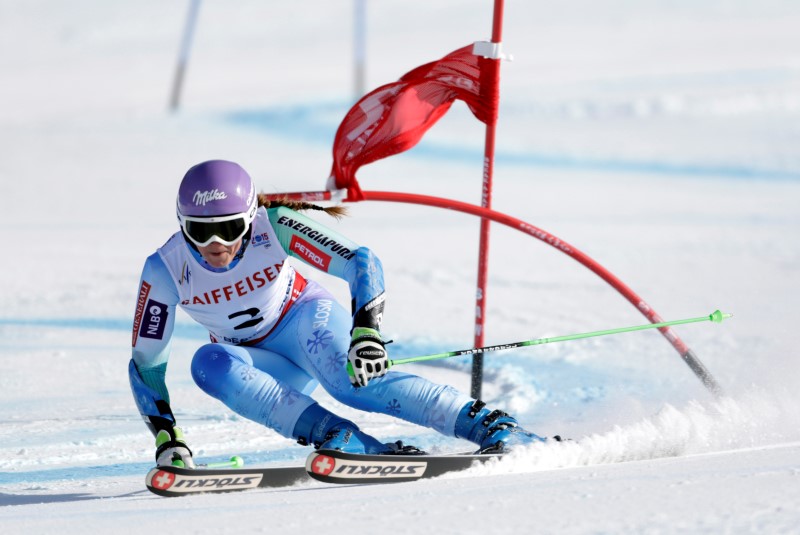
column 226, row 230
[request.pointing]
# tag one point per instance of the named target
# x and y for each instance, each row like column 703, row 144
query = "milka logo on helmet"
column 250, row 195
column 202, row 197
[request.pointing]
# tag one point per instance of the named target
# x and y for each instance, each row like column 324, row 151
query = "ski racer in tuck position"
column 276, row 335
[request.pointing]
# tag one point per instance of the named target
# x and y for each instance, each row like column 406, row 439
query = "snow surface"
column 659, row 137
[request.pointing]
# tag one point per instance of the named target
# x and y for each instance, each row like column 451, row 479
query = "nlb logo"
column 154, row 321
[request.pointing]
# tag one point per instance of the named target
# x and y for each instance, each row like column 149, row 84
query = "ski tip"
column 718, row 316
column 237, row 462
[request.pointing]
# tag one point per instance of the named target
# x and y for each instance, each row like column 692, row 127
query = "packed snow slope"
column 660, row 138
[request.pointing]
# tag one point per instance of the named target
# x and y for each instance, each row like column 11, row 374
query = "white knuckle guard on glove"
column 171, row 449
column 367, row 356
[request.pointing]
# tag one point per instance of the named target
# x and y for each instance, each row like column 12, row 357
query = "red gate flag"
column 394, row 117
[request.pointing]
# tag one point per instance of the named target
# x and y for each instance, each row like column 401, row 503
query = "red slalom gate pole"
column 486, row 202
column 645, row 309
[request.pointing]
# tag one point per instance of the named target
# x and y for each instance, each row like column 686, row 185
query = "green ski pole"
column 234, row 462
column 715, row 317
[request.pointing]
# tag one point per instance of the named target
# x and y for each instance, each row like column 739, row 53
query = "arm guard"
column 155, row 411
column 367, row 290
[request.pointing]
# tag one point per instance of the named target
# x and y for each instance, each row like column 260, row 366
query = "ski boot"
column 324, row 430
column 493, row 431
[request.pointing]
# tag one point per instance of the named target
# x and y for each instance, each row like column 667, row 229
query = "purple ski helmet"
column 217, row 202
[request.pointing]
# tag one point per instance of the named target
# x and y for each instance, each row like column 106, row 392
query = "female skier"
column 275, row 335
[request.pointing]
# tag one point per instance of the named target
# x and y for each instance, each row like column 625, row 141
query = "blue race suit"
column 275, row 336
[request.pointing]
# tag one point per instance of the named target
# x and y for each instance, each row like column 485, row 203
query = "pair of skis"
column 329, row 466
column 336, row 467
